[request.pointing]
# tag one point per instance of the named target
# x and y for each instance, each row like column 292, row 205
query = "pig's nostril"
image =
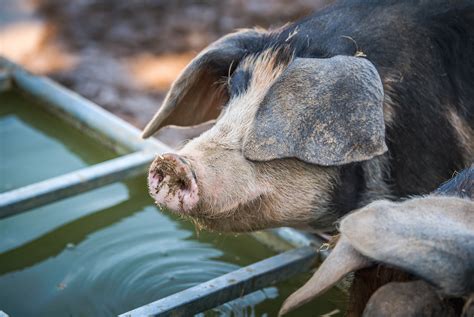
column 183, row 184
column 158, row 176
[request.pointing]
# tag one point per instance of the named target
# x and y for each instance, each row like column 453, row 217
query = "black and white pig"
column 360, row 101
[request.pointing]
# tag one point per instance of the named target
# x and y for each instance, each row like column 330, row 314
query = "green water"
column 109, row 250
column 35, row 145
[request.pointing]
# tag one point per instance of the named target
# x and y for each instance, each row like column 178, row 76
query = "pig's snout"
column 172, row 183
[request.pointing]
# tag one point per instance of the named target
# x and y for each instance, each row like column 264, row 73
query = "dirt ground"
column 124, row 55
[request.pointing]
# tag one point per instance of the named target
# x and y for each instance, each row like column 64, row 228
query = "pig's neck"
column 359, row 184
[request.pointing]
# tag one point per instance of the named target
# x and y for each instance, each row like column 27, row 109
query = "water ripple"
column 138, row 260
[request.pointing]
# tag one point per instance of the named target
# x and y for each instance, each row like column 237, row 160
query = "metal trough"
column 125, row 139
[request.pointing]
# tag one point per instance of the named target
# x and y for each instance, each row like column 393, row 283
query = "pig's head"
column 284, row 127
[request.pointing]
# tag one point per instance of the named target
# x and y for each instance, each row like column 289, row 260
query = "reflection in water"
column 139, row 259
column 134, row 262
column 35, row 145
column 50, row 219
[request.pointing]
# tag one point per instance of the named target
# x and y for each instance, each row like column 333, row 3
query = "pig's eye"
column 239, row 82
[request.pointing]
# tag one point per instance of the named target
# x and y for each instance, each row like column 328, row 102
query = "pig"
column 431, row 238
column 362, row 100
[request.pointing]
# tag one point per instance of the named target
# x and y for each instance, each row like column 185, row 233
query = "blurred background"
column 124, row 55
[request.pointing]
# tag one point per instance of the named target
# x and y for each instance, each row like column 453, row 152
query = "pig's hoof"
column 172, row 183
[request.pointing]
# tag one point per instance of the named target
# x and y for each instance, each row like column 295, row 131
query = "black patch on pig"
column 462, row 185
column 239, row 82
column 348, row 192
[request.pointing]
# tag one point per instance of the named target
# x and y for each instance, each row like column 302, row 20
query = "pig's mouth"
column 172, row 183
column 240, row 217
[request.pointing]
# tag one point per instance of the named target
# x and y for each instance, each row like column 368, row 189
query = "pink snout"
column 172, row 183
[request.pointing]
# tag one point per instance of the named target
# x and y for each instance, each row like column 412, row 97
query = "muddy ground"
column 124, row 55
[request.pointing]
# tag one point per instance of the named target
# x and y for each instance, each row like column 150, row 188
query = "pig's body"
column 257, row 167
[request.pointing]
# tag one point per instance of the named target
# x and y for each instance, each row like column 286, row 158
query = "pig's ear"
column 431, row 237
column 196, row 95
column 321, row 111
column 341, row 261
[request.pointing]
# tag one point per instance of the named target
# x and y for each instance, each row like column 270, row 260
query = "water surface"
column 35, row 145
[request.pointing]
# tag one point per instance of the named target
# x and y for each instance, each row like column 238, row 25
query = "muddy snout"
column 172, row 183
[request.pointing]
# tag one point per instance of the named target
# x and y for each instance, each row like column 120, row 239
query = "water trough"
column 125, row 139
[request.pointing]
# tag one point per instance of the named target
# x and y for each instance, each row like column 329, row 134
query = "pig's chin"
column 241, row 217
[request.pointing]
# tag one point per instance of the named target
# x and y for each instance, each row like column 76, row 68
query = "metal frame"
column 138, row 154
column 230, row 286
